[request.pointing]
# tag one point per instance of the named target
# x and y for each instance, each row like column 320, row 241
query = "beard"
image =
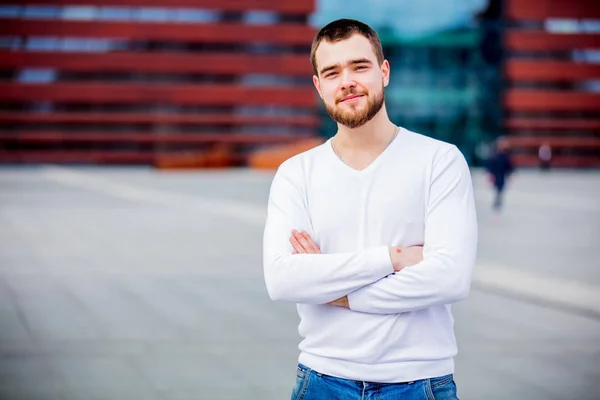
column 353, row 118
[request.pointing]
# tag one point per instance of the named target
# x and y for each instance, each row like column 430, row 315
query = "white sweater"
column 399, row 327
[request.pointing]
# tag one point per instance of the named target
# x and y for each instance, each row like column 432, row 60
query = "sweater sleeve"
column 309, row 278
column 449, row 251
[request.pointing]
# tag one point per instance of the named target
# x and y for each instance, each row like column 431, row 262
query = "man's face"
column 350, row 80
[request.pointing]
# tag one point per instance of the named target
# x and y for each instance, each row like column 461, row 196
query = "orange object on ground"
column 271, row 158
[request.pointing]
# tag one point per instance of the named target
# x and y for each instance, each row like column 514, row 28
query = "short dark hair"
column 342, row 29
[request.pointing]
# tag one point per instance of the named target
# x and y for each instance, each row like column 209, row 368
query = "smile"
column 352, row 98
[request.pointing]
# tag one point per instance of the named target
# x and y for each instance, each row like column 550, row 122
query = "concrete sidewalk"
column 126, row 283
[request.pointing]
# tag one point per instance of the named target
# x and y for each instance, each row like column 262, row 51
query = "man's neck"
column 373, row 135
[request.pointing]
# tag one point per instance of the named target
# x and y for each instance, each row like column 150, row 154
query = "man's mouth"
column 351, row 98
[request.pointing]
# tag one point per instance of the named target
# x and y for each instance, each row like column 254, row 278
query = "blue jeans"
column 311, row 385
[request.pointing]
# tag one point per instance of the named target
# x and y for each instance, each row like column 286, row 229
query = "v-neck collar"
column 372, row 166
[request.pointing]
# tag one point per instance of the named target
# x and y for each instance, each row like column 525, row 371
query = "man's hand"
column 341, row 302
column 403, row 257
column 303, row 243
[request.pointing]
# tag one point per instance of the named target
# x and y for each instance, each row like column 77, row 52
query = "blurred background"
column 138, row 140
column 206, row 83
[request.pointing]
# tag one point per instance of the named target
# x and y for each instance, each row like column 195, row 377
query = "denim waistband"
column 303, row 368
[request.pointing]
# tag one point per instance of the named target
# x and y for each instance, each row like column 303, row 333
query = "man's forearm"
column 321, row 278
column 400, row 258
column 430, row 283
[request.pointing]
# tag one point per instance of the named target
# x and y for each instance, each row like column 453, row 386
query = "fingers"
column 303, row 243
column 306, row 241
column 312, row 246
column 298, row 248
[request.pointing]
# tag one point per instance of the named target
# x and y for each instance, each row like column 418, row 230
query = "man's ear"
column 317, row 85
column 385, row 72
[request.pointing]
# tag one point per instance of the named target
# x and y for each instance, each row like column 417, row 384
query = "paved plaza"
column 130, row 283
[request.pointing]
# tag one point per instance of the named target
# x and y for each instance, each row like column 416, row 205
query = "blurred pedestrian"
column 545, row 156
column 499, row 167
column 373, row 234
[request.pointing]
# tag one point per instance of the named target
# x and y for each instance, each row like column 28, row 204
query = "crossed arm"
column 369, row 278
column 400, row 257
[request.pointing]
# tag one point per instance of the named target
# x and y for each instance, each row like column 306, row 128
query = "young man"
column 342, row 239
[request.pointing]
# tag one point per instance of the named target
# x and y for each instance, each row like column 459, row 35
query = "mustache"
column 350, row 92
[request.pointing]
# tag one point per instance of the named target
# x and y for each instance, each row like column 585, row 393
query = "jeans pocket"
column 302, row 378
column 441, row 380
column 441, row 388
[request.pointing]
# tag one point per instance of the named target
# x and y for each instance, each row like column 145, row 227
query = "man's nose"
column 347, row 80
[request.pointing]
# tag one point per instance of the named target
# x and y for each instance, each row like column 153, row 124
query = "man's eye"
column 329, row 75
column 361, row 67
